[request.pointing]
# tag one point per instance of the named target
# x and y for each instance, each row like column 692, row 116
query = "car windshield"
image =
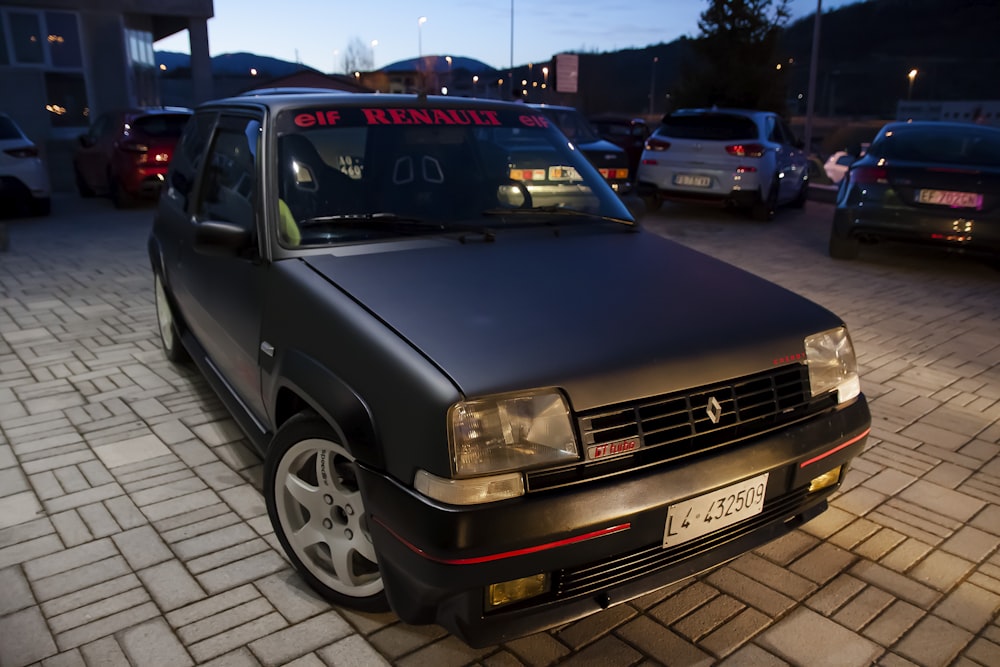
column 364, row 174
column 709, row 127
column 161, row 125
column 962, row 145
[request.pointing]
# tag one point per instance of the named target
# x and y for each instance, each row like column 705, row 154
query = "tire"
column 119, row 197
column 85, row 190
column 653, row 203
column 170, row 339
column 763, row 210
column 842, row 247
column 322, row 523
column 800, row 199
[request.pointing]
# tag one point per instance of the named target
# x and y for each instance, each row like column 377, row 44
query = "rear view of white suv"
column 24, row 181
column 748, row 159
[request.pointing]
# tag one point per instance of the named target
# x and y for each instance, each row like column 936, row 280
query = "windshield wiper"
column 396, row 222
column 557, row 210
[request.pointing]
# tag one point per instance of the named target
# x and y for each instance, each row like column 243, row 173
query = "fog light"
column 498, row 595
column 828, row 478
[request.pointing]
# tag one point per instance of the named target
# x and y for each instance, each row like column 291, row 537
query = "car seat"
column 308, row 185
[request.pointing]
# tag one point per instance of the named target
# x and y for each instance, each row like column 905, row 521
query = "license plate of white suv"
column 714, row 510
column 693, row 180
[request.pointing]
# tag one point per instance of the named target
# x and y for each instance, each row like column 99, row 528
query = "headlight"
column 510, row 432
column 832, row 364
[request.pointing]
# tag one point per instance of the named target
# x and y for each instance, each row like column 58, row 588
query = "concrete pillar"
column 201, row 62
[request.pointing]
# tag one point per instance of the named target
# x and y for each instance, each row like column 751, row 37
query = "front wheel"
column 318, row 513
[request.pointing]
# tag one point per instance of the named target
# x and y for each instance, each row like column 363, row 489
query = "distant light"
column 374, row 43
column 800, row 96
column 253, row 71
column 499, row 82
column 524, row 82
column 475, row 79
column 357, row 75
column 778, row 66
column 444, row 90
column 422, row 20
column 163, row 67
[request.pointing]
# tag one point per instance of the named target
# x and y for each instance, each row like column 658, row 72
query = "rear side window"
column 7, row 129
column 952, row 145
column 161, row 125
column 709, row 127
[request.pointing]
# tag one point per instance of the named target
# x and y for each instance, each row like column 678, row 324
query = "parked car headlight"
column 832, row 364
column 510, row 432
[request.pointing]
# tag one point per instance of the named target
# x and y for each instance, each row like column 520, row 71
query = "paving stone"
column 153, row 644
column 71, row 528
column 250, row 569
column 299, row 639
column 879, row 544
column 399, row 639
column 778, row 578
column 245, row 501
column 130, row 451
column 933, row 641
column 941, row 570
column 290, row 595
column 941, row 500
column 218, row 475
column 99, row 520
column 682, row 603
column 90, row 595
column 69, row 559
column 352, row 650
column 105, row 626
column 835, row 594
column 208, row 542
column 750, row 592
column 26, row 639
column 125, row 513
column 823, row 563
column 170, row 585
column 142, row 547
column 829, row 645
column 74, row 618
column 609, row 652
column 892, row 582
column 860, row 611
column 752, row 655
column 538, row 649
column 12, row 481
column 904, row 556
column 590, row 628
column 236, row 637
column 969, row 607
column 81, row 498
column 193, row 453
column 16, row 591
column 787, row 548
column 71, row 658
column 241, row 657
column 19, row 508
column 892, row 623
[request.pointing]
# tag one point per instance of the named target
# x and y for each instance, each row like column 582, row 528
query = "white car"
column 24, row 180
column 738, row 157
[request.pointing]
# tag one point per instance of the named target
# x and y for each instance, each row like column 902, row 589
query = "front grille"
column 680, row 426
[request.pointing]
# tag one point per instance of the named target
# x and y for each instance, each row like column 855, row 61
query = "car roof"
column 292, row 90
column 280, row 101
column 937, row 124
column 749, row 113
column 554, row 107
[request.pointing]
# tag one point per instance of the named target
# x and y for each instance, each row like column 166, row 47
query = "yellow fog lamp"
column 507, row 592
column 827, row 479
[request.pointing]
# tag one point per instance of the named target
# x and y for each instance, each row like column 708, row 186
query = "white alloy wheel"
column 322, row 518
column 172, row 346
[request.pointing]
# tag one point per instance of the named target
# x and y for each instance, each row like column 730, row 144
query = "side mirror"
column 221, row 239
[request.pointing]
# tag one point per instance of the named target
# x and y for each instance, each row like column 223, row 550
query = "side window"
column 229, row 180
column 774, row 132
column 786, row 129
column 188, row 154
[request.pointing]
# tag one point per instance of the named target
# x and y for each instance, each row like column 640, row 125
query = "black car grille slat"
column 595, row 577
column 679, row 426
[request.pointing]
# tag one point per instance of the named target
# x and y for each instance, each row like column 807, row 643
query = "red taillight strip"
column 835, row 449
column 508, row 554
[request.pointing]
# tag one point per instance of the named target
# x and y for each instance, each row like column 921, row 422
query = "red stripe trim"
column 835, row 449
column 508, row 554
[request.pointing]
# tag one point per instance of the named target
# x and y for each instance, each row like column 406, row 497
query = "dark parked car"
column 737, row 157
column 627, row 132
column 928, row 182
column 610, row 160
column 485, row 397
column 126, row 154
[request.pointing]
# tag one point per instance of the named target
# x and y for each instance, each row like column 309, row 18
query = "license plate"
column 950, row 198
column 714, row 510
column 692, row 180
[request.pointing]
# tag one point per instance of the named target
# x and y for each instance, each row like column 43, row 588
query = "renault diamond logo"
column 714, row 410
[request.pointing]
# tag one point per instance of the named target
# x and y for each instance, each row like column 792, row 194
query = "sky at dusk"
column 317, row 32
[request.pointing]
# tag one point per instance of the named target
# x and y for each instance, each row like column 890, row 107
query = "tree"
column 358, row 57
column 735, row 57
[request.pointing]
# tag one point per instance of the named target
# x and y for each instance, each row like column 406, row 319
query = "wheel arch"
column 303, row 383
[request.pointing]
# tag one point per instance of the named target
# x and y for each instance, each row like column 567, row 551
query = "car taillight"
column 746, row 150
column 614, row 174
column 868, row 175
column 23, row 151
column 653, row 144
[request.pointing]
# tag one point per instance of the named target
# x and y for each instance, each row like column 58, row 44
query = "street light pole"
column 813, row 64
column 911, row 76
column 652, row 86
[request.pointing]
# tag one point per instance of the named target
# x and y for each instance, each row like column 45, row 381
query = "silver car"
column 748, row 159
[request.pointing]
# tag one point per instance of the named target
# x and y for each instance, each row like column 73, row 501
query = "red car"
column 126, row 153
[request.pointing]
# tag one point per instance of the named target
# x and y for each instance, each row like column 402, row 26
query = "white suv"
column 749, row 159
column 24, row 181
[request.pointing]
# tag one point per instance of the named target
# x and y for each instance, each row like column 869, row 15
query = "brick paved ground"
column 133, row 532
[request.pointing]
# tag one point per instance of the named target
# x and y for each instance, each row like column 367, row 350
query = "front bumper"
column 600, row 542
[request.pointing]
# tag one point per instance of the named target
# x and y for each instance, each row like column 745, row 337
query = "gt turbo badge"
column 612, row 448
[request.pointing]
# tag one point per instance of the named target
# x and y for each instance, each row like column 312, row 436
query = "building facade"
column 63, row 62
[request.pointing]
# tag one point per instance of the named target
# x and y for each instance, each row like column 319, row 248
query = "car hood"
column 607, row 317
